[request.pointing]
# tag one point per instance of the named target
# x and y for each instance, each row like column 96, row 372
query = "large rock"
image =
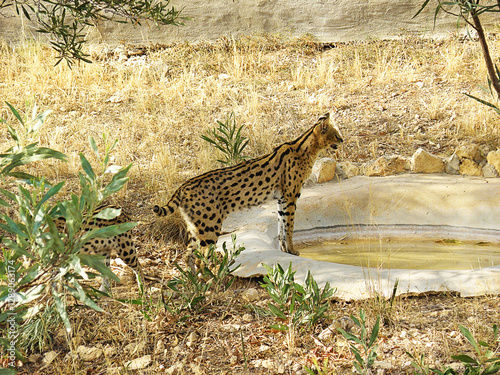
column 347, row 169
column 387, row 165
column 324, row 170
column 494, row 159
column 470, row 168
column 489, row 171
column 452, row 164
column 469, row 151
column 424, row 162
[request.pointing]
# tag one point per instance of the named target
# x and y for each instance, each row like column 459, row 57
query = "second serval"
column 206, row 200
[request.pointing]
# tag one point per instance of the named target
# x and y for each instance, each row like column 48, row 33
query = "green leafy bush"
column 40, row 267
column 187, row 291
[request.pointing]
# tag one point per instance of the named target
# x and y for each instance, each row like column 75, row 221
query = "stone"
column 470, row 151
column 88, row 354
column 470, row 168
column 383, row 365
column 424, row 162
column 347, row 169
column 109, row 351
column 452, row 164
column 489, row 171
column 177, row 368
column 250, row 295
column 138, row 363
column 49, row 357
column 247, row 318
column 160, row 347
column 494, row 159
column 193, row 336
column 324, row 170
column 387, row 165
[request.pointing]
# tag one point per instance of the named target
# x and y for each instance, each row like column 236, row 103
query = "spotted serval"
column 206, row 200
column 123, row 244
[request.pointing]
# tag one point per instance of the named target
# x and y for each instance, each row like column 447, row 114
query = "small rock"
column 324, row 170
column 452, row 164
column 247, row 318
column 160, row 347
column 109, row 351
column 489, row 171
column 347, row 169
column 88, row 354
column 49, row 357
column 470, row 168
column 383, row 365
column 470, row 151
column 138, row 363
column 494, row 159
column 250, row 295
column 193, row 336
column 35, row 357
column 424, row 162
column 267, row 363
column 174, row 369
column 387, row 165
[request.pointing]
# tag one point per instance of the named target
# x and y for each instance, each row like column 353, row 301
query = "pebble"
column 250, row 295
column 193, row 336
column 138, row 363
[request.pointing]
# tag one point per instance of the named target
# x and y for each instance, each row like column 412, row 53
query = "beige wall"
column 327, row 20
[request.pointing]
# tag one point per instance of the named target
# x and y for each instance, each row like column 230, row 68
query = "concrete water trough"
column 440, row 207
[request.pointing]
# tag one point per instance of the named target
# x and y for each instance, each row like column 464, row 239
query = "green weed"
column 227, row 139
column 292, row 302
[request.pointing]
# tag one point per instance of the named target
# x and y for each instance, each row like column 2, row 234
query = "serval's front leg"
column 286, row 217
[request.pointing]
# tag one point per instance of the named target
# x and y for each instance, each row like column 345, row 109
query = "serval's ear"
column 324, row 122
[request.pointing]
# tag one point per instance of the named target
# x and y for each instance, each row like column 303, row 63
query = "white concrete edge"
column 258, row 236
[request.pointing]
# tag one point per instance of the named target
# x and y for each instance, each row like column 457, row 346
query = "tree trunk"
column 486, row 52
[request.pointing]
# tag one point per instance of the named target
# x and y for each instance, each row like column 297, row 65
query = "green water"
column 405, row 253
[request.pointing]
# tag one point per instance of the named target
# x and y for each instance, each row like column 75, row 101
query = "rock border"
column 467, row 160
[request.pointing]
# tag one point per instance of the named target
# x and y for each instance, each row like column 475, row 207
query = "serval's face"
column 328, row 135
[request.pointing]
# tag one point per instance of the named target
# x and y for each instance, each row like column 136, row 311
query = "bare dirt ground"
column 387, row 97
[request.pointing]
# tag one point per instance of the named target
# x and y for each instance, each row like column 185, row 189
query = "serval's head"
column 327, row 135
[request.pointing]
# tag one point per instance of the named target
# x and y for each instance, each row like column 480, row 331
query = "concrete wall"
column 327, row 20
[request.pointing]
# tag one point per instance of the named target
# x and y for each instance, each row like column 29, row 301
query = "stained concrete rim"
column 405, row 199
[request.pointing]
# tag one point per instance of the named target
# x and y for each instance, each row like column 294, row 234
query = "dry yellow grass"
column 158, row 103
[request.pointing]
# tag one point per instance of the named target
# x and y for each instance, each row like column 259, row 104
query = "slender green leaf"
column 374, row 334
column 96, row 262
column 80, row 294
column 87, row 167
column 491, row 105
column 470, row 338
column 108, row 213
column 465, row 359
column 61, row 309
column 15, row 112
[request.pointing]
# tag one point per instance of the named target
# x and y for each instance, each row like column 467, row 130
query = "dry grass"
column 159, row 102
column 387, row 96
